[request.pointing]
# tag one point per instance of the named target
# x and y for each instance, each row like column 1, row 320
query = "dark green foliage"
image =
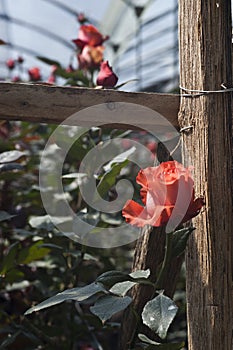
column 40, row 267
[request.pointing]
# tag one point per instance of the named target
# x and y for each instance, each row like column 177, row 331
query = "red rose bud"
column 10, row 63
column 152, row 146
column 20, row 59
column 81, row 18
column 34, row 74
column 89, row 35
column 167, row 193
column 106, row 77
column 15, row 79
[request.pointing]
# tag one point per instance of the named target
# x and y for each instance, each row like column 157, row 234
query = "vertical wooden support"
column 205, row 64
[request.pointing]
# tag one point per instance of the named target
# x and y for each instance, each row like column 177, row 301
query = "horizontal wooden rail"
column 54, row 104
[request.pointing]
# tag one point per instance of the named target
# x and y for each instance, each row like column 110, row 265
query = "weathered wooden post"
column 205, row 64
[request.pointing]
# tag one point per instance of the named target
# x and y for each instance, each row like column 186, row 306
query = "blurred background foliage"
column 38, row 261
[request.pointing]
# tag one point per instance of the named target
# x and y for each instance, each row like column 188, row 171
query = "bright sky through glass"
column 44, row 27
column 47, row 27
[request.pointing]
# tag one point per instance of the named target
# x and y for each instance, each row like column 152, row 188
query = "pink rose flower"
column 90, row 57
column 106, row 77
column 89, row 35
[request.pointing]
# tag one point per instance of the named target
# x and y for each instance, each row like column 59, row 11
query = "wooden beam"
column 53, row 104
column 205, row 59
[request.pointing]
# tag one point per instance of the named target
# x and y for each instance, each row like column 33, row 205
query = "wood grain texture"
column 53, row 104
column 205, row 59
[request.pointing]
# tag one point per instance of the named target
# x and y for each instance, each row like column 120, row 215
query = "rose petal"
column 131, row 212
column 194, row 209
column 137, row 215
column 168, row 195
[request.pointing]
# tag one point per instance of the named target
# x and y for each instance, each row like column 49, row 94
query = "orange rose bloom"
column 167, row 194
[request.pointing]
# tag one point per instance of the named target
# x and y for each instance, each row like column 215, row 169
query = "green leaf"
column 158, row 314
column 46, row 222
column 9, row 340
column 152, row 345
column 167, row 346
column 13, row 275
column 109, row 178
column 76, row 75
column 126, row 82
column 11, row 156
column 89, row 257
column 9, row 261
column 52, row 246
column 10, row 166
column 122, row 288
column 120, row 158
column 179, row 240
column 108, row 305
column 109, row 278
column 140, row 273
column 32, row 253
column 18, row 285
column 5, row 216
column 48, row 61
column 78, row 294
column 91, row 218
column 80, row 177
column 145, row 339
column 111, row 219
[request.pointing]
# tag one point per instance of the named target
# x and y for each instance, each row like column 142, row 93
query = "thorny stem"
column 92, row 335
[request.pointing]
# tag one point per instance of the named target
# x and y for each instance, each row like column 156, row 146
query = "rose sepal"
column 179, row 240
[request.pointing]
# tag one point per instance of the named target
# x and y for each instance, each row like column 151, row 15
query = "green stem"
column 136, row 328
column 78, row 265
column 166, row 262
column 45, row 339
column 160, row 281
